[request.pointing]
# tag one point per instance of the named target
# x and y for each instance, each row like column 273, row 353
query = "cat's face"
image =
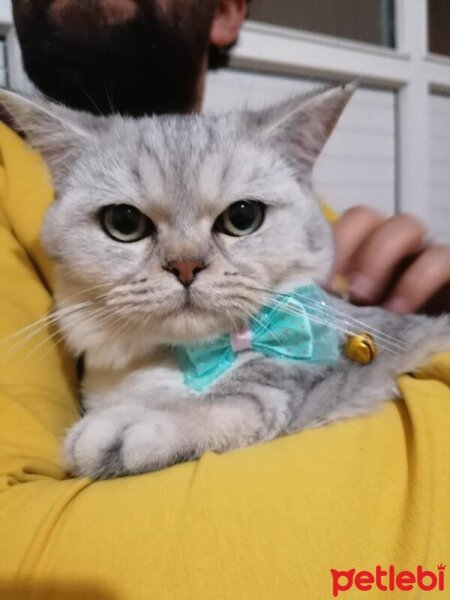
column 183, row 175
column 176, row 229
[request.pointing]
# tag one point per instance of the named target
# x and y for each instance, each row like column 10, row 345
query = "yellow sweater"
column 268, row 522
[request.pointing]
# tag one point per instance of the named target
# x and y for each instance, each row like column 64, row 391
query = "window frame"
column 15, row 74
column 409, row 69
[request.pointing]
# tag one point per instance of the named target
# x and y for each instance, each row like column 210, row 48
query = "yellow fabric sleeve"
column 267, row 522
column 330, row 215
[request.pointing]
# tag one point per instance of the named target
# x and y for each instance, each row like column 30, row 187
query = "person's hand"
column 389, row 262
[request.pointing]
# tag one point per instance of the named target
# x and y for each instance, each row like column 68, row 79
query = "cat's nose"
column 185, row 270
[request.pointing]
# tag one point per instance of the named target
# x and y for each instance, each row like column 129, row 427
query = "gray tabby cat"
column 176, row 229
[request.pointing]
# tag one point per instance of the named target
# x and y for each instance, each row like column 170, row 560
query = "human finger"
column 353, row 227
column 424, row 278
column 376, row 260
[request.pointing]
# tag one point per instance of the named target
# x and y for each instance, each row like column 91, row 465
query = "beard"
column 150, row 63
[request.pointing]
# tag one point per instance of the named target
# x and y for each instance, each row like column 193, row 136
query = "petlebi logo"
column 388, row 580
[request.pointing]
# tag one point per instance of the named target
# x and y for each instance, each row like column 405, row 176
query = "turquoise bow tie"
column 292, row 328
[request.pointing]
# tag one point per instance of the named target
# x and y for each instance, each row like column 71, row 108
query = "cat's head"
column 177, row 228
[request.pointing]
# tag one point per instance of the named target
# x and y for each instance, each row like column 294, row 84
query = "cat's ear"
column 304, row 125
column 47, row 128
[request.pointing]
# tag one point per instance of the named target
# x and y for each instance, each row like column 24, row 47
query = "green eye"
column 126, row 224
column 241, row 218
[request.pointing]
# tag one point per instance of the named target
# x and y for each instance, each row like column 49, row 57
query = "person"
column 105, row 56
column 306, row 516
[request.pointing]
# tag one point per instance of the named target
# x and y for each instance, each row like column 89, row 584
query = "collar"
column 290, row 327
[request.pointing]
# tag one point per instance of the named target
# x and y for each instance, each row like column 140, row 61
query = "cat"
column 168, row 233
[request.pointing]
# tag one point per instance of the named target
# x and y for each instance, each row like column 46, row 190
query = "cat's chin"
column 191, row 326
column 119, row 351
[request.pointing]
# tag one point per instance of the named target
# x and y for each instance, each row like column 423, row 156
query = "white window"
column 357, row 165
column 404, row 102
column 3, row 71
column 392, row 146
column 439, row 209
column 5, row 27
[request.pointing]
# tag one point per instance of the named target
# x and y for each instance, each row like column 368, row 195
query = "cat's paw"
column 90, row 446
column 157, row 441
column 112, row 444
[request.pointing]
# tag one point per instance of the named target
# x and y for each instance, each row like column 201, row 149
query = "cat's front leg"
column 126, row 440
column 214, row 423
column 92, row 446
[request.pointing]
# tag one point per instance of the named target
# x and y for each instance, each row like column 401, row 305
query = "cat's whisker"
column 57, row 341
column 236, row 328
column 343, row 316
column 130, row 298
column 109, row 318
column 109, row 99
column 146, row 320
column 103, row 315
column 333, row 325
column 54, row 314
column 357, row 322
column 76, row 311
column 127, row 310
column 92, row 101
column 119, row 317
column 36, row 328
column 258, row 321
column 49, row 339
column 40, row 323
column 321, row 321
column 330, row 323
column 86, row 290
column 123, row 321
column 355, row 325
column 58, row 332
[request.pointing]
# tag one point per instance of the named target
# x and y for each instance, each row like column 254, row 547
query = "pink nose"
column 185, row 270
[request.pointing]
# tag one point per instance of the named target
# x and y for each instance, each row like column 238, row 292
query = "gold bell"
column 361, row 348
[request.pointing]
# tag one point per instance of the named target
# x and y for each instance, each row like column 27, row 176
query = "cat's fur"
column 183, row 172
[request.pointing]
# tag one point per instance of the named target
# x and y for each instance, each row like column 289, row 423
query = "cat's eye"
column 125, row 223
column 241, row 218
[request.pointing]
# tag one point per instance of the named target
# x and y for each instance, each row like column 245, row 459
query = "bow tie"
column 292, row 327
